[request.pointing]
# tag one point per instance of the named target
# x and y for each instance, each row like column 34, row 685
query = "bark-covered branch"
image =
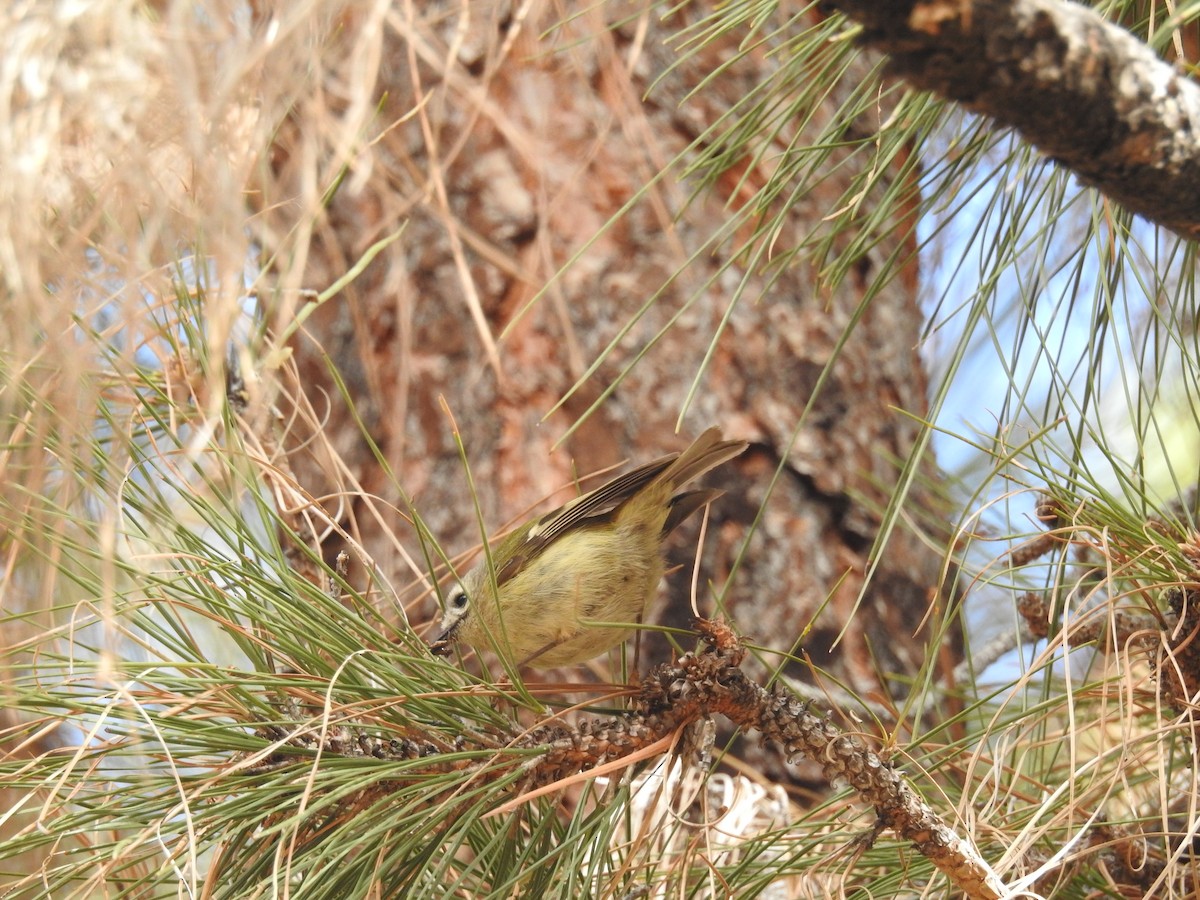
column 673, row 697
column 1082, row 90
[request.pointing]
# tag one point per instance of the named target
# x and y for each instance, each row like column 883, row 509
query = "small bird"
column 597, row 558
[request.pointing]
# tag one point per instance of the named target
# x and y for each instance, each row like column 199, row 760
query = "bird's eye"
column 457, row 598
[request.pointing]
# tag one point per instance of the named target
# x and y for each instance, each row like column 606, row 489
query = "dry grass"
column 136, row 139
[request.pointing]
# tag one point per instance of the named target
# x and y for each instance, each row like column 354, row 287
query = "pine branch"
column 1082, row 90
column 675, row 696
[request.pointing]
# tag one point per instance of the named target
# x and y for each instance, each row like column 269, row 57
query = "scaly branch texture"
column 1082, row 90
column 695, row 687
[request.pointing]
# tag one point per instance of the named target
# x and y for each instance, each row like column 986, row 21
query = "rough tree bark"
column 1082, row 90
column 526, row 139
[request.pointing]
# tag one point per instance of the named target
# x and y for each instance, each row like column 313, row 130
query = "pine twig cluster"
column 671, row 698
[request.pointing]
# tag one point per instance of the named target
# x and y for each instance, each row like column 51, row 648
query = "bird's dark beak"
column 445, row 640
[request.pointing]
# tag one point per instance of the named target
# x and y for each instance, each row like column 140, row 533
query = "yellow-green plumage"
column 598, row 558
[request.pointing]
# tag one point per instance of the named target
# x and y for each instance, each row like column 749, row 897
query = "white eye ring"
column 457, row 598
